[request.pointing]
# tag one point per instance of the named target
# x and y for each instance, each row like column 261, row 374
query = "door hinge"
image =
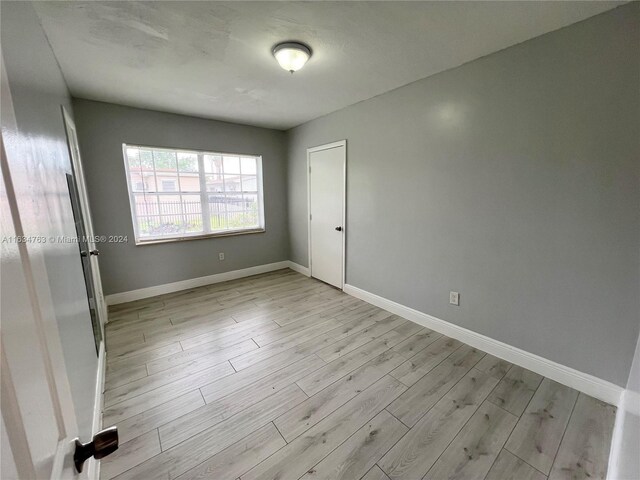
column 310, row 217
column 309, row 168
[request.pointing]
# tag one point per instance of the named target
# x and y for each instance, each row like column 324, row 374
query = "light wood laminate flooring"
column 279, row 376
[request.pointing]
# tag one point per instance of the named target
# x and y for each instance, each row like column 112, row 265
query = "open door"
column 86, row 236
column 38, row 419
column 39, row 425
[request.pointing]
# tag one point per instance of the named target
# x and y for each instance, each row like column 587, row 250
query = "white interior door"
column 326, row 212
column 94, row 265
column 38, row 419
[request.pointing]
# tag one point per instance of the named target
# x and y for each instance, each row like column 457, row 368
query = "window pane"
column 146, row 205
column 232, row 183
column 248, row 165
column 231, row 165
column 249, row 183
column 218, row 212
column 213, row 164
column 146, row 159
column 137, row 181
column 192, row 213
column 189, row 182
column 133, row 156
column 165, row 161
column 187, row 162
column 171, row 220
column 215, row 183
column 236, row 219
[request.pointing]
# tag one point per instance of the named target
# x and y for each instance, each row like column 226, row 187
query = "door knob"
column 338, row 229
column 104, row 443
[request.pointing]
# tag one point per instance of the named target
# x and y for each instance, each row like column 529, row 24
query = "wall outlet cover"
column 454, row 298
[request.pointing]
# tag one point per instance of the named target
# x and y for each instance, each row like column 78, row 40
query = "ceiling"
column 213, row 59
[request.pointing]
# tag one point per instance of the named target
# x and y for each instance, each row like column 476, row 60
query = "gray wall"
column 103, row 128
column 38, row 91
column 512, row 179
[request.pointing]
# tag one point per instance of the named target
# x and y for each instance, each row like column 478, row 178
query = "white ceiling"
column 213, row 59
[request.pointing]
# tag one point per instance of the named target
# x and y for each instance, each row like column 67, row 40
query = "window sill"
column 203, row 236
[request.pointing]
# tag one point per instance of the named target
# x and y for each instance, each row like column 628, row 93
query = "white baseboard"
column 583, row 382
column 130, row 296
column 299, row 268
column 93, row 470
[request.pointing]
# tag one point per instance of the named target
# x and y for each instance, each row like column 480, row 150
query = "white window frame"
column 204, row 198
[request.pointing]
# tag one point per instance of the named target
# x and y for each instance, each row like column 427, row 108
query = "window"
column 181, row 194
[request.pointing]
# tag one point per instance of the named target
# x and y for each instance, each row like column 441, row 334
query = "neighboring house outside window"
column 180, row 194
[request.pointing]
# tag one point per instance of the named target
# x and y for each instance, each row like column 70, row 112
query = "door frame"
column 328, row 146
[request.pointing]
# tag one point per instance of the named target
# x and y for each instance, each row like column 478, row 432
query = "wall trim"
column 296, row 267
column 132, row 295
column 93, row 472
column 583, row 382
column 616, row 439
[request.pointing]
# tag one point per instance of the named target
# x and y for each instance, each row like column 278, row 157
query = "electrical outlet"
column 221, row 256
column 454, row 298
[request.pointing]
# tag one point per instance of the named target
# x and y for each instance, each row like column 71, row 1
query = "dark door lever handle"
column 338, row 229
column 94, row 252
column 104, row 443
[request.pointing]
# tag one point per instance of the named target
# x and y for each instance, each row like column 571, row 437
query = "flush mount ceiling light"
column 291, row 55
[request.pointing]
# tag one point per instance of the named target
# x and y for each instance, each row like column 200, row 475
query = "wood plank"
column 473, row 451
column 337, row 369
column 375, row 474
column 239, row 457
column 311, row 411
column 515, row 390
column 304, row 452
column 537, row 435
column 222, row 408
column 417, row 342
column 385, row 322
column 494, row 366
column 426, row 392
column 133, row 359
column 424, row 361
column 418, row 450
column 361, row 451
column 213, row 352
column 127, row 351
column 232, row 333
column 192, row 452
column 130, row 454
column 288, row 330
column 584, row 451
column 509, row 467
column 151, row 382
column 325, row 330
column 224, row 386
column 138, row 404
column 116, row 377
column 154, row 417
